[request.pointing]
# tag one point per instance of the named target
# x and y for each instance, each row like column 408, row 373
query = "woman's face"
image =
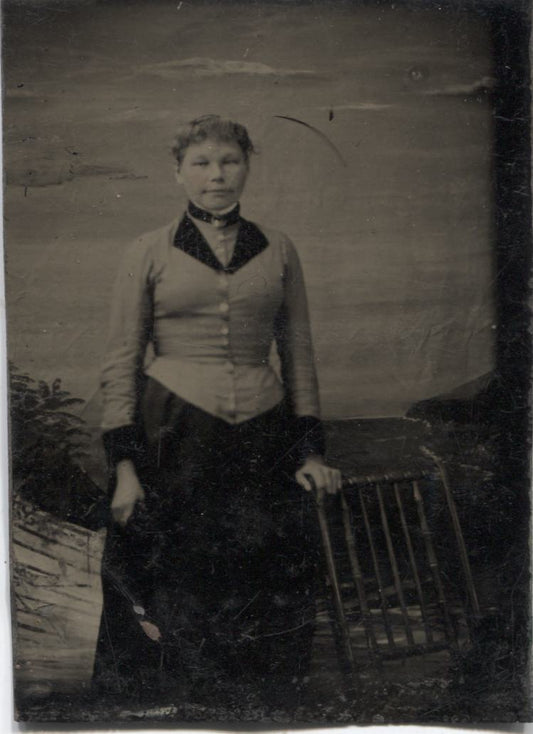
column 213, row 174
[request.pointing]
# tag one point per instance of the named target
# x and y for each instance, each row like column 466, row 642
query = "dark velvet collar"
column 220, row 220
column 250, row 242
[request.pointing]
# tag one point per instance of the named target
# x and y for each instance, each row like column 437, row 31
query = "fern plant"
column 45, row 434
column 48, row 446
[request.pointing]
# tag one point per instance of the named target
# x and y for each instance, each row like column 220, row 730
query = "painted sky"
column 395, row 235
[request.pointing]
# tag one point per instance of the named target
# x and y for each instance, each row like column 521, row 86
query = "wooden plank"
column 27, row 513
column 36, row 560
column 28, row 573
column 54, row 632
column 52, row 537
column 36, row 584
column 71, row 556
column 33, row 622
column 56, row 566
column 53, row 528
column 63, row 596
column 66, row 589
column 55, row 667
column 54, row 531
column 35, row 605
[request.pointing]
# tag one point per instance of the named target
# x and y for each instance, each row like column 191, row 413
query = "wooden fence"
column 56, row 600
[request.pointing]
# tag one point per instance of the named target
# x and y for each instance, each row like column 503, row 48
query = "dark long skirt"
column 209, row 589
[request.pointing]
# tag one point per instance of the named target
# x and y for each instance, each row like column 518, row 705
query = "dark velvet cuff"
column 123, row 443
column 309, row 436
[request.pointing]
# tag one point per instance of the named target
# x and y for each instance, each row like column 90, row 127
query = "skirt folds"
column 209, row 589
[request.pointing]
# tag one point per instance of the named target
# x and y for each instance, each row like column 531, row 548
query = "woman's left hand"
column 325, row 478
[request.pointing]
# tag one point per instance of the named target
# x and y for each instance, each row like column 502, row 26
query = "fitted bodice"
column 212, row 325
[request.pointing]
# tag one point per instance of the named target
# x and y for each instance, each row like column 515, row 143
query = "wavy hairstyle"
column 212, row 127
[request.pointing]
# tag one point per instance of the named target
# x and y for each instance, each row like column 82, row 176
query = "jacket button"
column 224, row 307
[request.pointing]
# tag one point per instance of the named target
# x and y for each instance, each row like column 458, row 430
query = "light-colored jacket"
column 212, row 326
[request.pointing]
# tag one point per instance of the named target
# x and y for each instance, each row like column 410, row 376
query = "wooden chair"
column 397, row 566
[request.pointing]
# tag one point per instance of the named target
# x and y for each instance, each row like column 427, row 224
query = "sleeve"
column 130, row 330
column 295, row 348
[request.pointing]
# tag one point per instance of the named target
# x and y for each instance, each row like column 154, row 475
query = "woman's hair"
column 211, row 127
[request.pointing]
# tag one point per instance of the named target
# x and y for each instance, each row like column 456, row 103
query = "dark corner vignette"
column 511, row 27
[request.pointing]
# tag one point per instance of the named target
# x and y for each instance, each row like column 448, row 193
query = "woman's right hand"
column 127, row 492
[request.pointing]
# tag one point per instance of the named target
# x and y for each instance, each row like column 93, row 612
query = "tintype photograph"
column 269, row 355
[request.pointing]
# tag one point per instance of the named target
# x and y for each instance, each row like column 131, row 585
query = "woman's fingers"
column 122, row 513
column 323, row 477
column 127, row 493
column 123, row 506
column 302, row 479
column 332, row 480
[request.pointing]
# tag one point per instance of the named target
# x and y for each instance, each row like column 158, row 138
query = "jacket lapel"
column 250, row 242
column 189, row 239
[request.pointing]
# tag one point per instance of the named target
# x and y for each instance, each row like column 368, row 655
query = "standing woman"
column 210, row 559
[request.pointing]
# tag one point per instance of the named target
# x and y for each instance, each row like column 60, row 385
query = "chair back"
column 397, row 567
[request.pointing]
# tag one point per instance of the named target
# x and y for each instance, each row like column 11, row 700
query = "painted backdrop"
column 393, row 227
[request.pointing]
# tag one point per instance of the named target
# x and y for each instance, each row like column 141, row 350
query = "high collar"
column 250, row 242
column 224, row 219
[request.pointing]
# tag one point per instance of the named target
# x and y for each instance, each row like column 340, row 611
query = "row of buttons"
column 230, row 409
column 223, row 249
column 224, row 252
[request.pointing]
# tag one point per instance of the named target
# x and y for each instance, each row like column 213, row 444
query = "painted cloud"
column 200, row 66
